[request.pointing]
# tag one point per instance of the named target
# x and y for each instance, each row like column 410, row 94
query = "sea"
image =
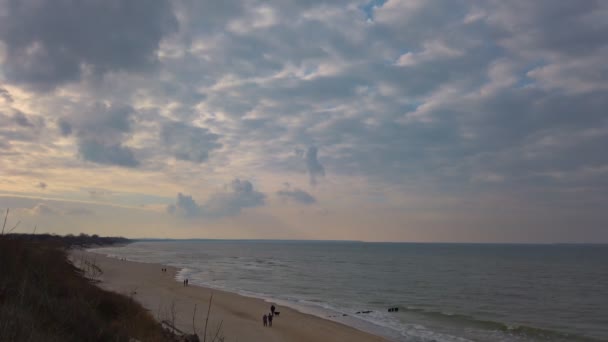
column 443, row 292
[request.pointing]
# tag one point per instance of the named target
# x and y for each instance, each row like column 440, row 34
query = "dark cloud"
column 22, row 120
column 239, row 195
column 185, row 206
column 575, row 29
column 297, row 195
column 6, row 95
column 52, row 42
column 313, row 165
column 187, row 142
column 100, row 132
column 16, row 126
column 104, row 153
column 65, row 128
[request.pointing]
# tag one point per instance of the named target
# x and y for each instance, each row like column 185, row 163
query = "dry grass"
column 43, row 297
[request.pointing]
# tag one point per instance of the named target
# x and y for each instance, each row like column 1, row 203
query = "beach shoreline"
column 239, row 316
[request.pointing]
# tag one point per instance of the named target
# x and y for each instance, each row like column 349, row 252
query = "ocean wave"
column 516, row 330
column 330, row 293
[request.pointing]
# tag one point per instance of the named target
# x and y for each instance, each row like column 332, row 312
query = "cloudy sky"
column 412, row 120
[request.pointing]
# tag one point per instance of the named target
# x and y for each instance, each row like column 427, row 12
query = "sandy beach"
column 240, row 316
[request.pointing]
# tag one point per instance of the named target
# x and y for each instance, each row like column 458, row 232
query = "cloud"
column 185, row 206
column 433, row 50
column 313, row 166
column 475, row 88
column 6, row 95
column 42, row 54
column 187, row 142
column 19, row 130
column 98, row 193
column 239, row 195
column 22, row 120
column 42, row 209
column 436, row 98
column 64, row 127
column 100, row 132
column 297, row 195
column 41, row 185
column 79, row 211
column 107, row 153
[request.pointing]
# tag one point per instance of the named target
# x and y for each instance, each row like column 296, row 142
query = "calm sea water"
column 444, row 292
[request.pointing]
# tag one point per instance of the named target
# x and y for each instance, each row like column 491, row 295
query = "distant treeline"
column 81, row 240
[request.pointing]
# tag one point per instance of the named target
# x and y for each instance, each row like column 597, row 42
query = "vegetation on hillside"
column 43, row 297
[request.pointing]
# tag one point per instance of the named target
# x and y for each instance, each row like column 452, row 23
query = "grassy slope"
column 45, row 298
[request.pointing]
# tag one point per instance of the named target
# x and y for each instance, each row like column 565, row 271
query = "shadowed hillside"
column 43, row 297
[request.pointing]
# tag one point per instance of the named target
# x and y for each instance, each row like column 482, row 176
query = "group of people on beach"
column 185, row 281
column 267, row 318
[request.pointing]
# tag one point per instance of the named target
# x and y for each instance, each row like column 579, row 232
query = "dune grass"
column 43, row 297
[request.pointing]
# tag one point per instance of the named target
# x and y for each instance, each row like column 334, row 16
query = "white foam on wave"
column 375, row 322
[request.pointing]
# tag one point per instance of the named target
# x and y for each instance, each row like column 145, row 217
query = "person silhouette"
column 265, row 320
column 270, row 320
column 272, row 308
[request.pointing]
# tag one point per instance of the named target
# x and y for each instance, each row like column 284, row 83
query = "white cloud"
column 426, row 97
column 431, row 50
column 239, row 195
column 42, row 209
column 297, row 195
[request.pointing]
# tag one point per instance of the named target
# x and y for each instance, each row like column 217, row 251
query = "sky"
column 417, row 120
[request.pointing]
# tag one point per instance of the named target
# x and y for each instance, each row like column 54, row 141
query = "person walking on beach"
column 265, row 320
column 272, row 308
column 270, row 320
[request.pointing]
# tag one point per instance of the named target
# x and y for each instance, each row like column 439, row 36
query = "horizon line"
column 362, row 241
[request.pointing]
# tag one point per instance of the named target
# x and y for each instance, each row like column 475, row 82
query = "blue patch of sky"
column 310, row 70
column 369, row 8
column 525, row 81
column 395, row 59
column 414, row 104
